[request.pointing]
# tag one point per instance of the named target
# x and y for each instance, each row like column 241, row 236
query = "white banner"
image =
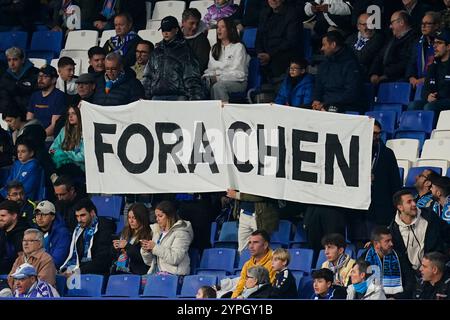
column 268, row 150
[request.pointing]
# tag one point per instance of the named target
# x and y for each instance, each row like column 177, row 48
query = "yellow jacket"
column 266, row 262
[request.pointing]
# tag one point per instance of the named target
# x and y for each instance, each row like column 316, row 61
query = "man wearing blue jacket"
column 56, row 235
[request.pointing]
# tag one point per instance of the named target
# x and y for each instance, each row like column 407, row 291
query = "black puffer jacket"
column 128, row 90
column 18, row 87
column 173, row 70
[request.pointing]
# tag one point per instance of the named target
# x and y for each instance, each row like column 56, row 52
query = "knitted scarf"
column 328, row 296
column 39, row 289
column 88, row 241
column 359, row 45
column 342, row 260
column 109, row 84
column 443, row 212
column 391, row 275
column 121, row 46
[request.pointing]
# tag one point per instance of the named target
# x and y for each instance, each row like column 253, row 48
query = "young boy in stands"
column 285, row 286
column 337, row 260
column 324, row 288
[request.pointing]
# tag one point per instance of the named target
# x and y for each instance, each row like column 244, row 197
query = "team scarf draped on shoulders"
column 391, row 274
column 121, row 45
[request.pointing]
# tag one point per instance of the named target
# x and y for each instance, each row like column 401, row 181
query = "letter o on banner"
column 131, row 130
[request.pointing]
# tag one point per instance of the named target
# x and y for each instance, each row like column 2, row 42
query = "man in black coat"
column 194, row 33
column 339, row 79
column 90, row 250
column 118, row 85
column 435, row 284
column 391, row 62
column 19, row 81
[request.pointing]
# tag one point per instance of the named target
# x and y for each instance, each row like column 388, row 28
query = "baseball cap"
column 443, row 35
column 24, row 271
column 45, row 207
column 85, row 78
column 49, row 71
column 169, row 23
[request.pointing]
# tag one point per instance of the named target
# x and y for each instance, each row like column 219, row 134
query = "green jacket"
column 267, row 215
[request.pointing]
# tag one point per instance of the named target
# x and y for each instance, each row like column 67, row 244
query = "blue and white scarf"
column 443, row 212
column 88, row 242
column 328, row 296
column 391, row 273
column 359, row 45
column 40, row 289
column 121, row 45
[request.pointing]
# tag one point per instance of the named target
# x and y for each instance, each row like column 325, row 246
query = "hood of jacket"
column 180, row 225
column 26, row 66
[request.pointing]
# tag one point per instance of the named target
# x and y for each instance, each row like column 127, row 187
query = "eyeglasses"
column 42, row 215
column 395, row 20
column 427, row 24
column 28, row 241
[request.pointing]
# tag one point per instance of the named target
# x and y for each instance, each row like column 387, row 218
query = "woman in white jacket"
column 167, row 252
column 228, row 63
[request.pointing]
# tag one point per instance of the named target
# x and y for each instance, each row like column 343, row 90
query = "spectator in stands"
column 117, row 86
column 285, row 286
column 365, row 43
column 56, row 235
column 31, row 130
column 66, row 79
column 194, row 33
column 445, row 15
column 228, row 63
column 364, row 287
column 143, row 50
column 257, row 284
column 19, row 14
column 173, row 72
column 206, row 292
column 278, row 40
column 387, row 9
column 296, row 89
column 397, row 276
column 125, row 41
column 435, row 284
column 436, row 90
column 6, row 149
column 90, row 250
column 47, row 104
column 11, row 234
column 422, row 54
column 167, row 252
column 67, row 149
column 391, row 62
column 440, row 190
column 27, row 170
column 110, row 8
column 16, row 192
column 29, row 286
column 261, row 255
column 255, row 213
column 34, row 254
column 63, row 9
column 18, row 82
column 339, row 78
column 67, row 197
column 127, row 250
column 337, row 260
column 423, row 185
column 219, row 10
column 329, row 15
column 417, row 10
column 415, row 231
column 96, row 60
column 324, row 288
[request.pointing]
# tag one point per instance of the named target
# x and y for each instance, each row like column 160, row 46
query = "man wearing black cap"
column 436, row 90
column 49, row 103
column 173, row 72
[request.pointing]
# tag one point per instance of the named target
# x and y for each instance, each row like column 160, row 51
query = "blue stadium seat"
column 161, row 286
column 120, row 224
column 249, row 39
column 194, row 257
column 12, row 39
column 356, row 113
column 415, row 171
column 228, row 236
column 418, row 120
column 305, row 289
column 243, row 258
column 301, row 259
column 394, row 93
column 282, row 236
column 298, row 275
column 299, row 237
column 369, row 93
column 213, row 233
column 402, row 174
column 91, row 285
column 418, row 92
column 192, row 283
column 46, row 45
column 123, row 285
column 397, row 108
column 218, row 259
column 448, row 173
column 109, row 206
column 421, row 136
column 386, row 118
column 4, row 276
column 253, row 83
column 61, row 284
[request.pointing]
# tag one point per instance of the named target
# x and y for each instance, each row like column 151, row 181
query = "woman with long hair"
column 127, row 249
column 228, row 62
column 67, row 150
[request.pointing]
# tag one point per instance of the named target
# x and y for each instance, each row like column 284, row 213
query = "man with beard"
column 11, row 234
column 440, row 190
column 423, row 185
column 16, row 193
column 67, row 197
column 143, row 50
column 49, row 103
